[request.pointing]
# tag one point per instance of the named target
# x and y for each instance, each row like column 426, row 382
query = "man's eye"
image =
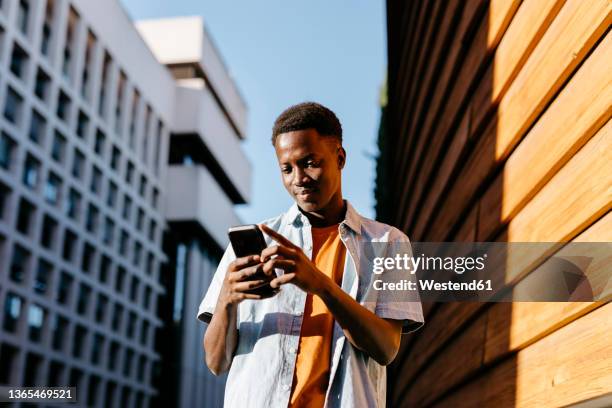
column 286, row 170
column 312, row 163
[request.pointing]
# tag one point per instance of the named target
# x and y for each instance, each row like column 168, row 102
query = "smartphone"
column 249, row 240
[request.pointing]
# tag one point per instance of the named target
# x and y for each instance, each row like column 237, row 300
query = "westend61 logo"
column 459, row 265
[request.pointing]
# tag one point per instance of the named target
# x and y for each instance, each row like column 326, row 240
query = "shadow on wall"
column 478, row 93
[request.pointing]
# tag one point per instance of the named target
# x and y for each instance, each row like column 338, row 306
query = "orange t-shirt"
column 311, row 375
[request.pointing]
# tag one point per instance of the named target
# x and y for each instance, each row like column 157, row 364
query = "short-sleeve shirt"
column 263, row 365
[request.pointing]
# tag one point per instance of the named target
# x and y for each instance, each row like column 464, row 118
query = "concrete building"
column 115, row 192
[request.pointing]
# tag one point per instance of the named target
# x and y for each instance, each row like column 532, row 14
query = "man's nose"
column 300, row 177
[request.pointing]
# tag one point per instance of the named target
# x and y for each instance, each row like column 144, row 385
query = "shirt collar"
column 352, row 218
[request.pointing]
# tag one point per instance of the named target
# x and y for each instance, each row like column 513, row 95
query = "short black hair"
column 307, row 115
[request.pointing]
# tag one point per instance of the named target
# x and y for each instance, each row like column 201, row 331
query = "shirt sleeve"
column 209, row 302
column 404, row 305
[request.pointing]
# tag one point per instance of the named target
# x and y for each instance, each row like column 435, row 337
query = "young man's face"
column 311, row 167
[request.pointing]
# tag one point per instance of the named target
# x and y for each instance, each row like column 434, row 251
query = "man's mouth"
column 305, row 192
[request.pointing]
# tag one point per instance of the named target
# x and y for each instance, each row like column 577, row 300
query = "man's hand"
column 299, row 270
column 236, row 283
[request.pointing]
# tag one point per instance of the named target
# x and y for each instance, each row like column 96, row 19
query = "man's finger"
column 281, row 280
column 276, row 236
column 248, row 285
column 286, row 265
column 244, row 273
column 240, row 263
column 281, row 250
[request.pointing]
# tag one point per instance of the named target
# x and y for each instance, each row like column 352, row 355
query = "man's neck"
column 330, row 215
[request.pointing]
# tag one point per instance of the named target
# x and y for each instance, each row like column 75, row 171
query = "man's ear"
column 341, row 157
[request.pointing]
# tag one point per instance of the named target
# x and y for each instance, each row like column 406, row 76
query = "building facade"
column 497, row 128
column 115, row 193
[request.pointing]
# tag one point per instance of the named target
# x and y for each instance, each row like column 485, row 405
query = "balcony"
column 197, row 113
column 193, row 196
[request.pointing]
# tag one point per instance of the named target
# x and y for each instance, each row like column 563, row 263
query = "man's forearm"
column 375, row 336
column 221, row 338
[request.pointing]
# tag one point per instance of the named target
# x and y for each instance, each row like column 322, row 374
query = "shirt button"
column 292, row 350
column 299, row 313
column 285, row 388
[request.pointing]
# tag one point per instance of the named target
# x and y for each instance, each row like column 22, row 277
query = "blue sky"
column 284, row 52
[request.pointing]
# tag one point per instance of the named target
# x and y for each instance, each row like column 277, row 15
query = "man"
column 316, row 341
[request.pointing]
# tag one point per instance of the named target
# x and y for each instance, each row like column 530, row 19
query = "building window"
column 100, row 142
column 101, row 308
column 7, row 150
column 83, row 299
column 70, row 239
column 104, row 84
column 92, row 389
column 43, row 276
column 53, row 188
column 82, row 125
column 134, row 117
column 78, row 341
column 123, row 243
column 152, row 230
column 91, row 221
column 78, row 162
column 150, row 264
column 134, row 288
column 41, row 87
column 129, row 172
column 45, row 43
column 113, row 355
column 120, row 279
column 89, row 254
column 73, row 19
column 12, row 312
column 142, row 186
column 115, row 158
column 105, row 265
column 109, row 231
column 5, row 193
column 127, row 207
column 157, row 146
column 76, row 378
column 60, row 328
column 49, row 228
column 38, row 126
column 96, row 180
column 127, row 364
column 144, row 332
column 137, row 253
column 147, row 297
column 24, row 218
column 117, row 317
column 140, row 219
column 19, row 264
column 73, row 204
column 111, row 198
column 23, row 16
column 58, row 148
column 96, row 349
column 131, row 325
column 8, row 357
column 89, row 55
column 64, row 288
column 31, row 168
column 32, row 369
column 63, row 106
column 36, row 320
column 155, row 198
column 119, row 104
column 13, row 104
column 19, row 61
column 56, row 373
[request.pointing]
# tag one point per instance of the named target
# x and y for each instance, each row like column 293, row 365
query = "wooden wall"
column 498, row 128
